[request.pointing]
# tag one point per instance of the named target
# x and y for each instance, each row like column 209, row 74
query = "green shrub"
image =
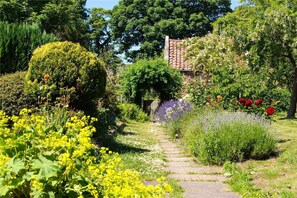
column 215, row 136
column 144, row 75
column 12, row 96
column 69, row 70
column 17, row 43
column 132, row 112
column 40, row 158
column 184, row 125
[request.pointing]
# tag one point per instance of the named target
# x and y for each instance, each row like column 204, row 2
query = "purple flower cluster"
column 213, row 120
column 172, row 110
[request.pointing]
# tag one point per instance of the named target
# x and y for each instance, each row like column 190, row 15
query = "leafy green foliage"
column 132, row 112
column 268, row 32
column 15, row 165
column 12, row 96
column 197, row 92
column 145, row 75
column 146, row 23
column 216, row 136
column 41, row 158
column 99, row 31
column 17, row 43
column 45, row 168
column 64, row 18
column 226, row 73
column 68, row 70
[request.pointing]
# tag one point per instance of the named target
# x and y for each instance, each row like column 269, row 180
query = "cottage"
column 174, row 54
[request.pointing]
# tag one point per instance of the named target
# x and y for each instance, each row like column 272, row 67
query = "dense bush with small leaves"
column 12, row 96
column 17, row 43
column 132, row 112
column 41, row 157
column 68, row 70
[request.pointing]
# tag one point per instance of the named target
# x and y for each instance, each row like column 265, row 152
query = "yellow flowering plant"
column 40, row 159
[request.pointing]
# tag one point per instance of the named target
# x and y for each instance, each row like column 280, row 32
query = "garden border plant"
column 216, row 136
column 40, row 158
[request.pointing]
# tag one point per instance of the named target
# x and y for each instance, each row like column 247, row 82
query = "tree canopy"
column 145, row 23
column 267, row 31
column 64, row 18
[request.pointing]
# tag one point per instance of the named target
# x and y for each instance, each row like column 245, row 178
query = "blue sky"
column 108, row 4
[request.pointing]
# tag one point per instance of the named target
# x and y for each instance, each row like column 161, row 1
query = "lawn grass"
column 139, row 149
column 277, row 176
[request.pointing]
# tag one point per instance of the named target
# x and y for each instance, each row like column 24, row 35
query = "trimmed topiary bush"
column 17, row 43
column 12, row 96
column 70, row 70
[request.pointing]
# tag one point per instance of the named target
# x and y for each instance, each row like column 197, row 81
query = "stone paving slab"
column 170, row 155
column 196, row 177
column 207, row 189
column 194, row 170
column 179, row 159
column 181, row 164
column 172, row 150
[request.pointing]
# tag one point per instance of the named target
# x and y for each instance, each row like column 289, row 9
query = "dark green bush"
column 17, row 43
column 12, row 96
column 216, row 136
column 132, row 112
column 145, row 75
column 69, row 70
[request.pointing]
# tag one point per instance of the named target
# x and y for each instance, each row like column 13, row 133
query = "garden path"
column 198, row 181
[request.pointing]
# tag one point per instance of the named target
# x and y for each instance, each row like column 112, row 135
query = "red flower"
column 46, row 77
column 258, row 102
column 270, row 110
column 248, row 103
column 241, row 100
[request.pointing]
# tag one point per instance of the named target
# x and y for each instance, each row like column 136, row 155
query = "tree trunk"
column 292, row 109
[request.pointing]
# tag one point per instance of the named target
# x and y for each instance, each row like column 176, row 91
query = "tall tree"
column 267, row 30
column 64, row 18
column 145, row 23
column 100, row 38
column 99, row 33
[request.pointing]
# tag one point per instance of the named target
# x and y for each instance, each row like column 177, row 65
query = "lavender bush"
column 214, row 120
column 217, row 136
column 172, row 110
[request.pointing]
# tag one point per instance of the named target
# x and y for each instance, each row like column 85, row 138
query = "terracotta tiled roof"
column 176, row 55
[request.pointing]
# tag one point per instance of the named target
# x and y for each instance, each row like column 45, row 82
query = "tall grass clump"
column 215, row 137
